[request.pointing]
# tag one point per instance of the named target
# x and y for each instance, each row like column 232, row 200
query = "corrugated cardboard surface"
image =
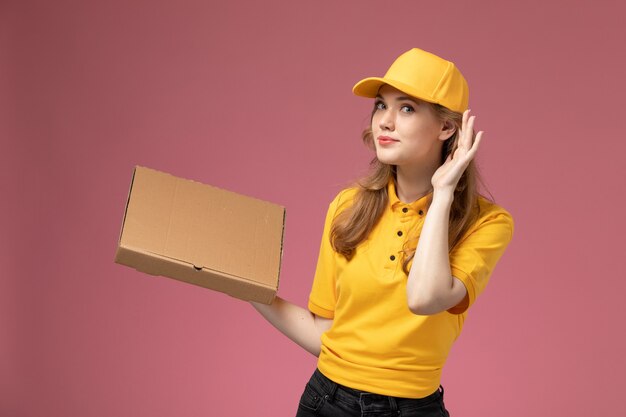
column 203, row 235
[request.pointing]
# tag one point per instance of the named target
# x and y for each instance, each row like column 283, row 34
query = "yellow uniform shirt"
column 376, row 343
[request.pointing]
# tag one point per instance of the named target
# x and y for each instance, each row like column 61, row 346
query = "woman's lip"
column 383, row 140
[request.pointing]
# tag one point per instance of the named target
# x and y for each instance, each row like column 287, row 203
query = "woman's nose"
column 386, row 121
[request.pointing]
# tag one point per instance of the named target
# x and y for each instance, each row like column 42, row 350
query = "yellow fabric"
column 423, row 75
column 375, row 343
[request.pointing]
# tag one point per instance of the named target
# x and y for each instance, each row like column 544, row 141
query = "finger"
column 476, row 144
column 470, row 123
column 471, row 137
column 470, row 132
column 464, row 123
column 465, row 140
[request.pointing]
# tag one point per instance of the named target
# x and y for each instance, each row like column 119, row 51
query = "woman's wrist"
column 444, row 195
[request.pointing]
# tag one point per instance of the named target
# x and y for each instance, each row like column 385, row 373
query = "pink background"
column 255, row 97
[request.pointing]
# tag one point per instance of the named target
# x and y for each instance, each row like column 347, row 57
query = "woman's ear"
column 447, row 130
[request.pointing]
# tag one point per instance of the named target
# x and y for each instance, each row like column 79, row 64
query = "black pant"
column 323, row 397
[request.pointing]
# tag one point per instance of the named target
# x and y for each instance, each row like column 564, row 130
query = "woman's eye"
column 379, row 105
column 407, row 109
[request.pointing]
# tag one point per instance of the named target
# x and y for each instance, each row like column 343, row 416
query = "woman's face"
column 406, row 130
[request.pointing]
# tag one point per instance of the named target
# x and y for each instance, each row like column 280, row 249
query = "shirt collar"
column 418, row 206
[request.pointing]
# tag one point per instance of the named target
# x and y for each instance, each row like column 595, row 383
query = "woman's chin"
column 386, row 159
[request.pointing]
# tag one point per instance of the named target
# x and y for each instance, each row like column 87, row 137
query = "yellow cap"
column 422, row 75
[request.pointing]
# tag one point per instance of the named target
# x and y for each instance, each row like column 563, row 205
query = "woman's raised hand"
column 448, row 174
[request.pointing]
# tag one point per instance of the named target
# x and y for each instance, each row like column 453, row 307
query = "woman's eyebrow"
column 401, row 98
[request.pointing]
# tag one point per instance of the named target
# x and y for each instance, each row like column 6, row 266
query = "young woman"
column 404, row 253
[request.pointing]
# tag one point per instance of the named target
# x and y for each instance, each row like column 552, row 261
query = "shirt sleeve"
column 475, row 257
column 323, row 298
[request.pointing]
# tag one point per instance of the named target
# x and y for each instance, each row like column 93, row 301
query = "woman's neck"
column 414, row 183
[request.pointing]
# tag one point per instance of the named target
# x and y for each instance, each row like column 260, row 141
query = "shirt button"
column 399, row 232
column 404, row 209
column 421, row 212
column 393, row 258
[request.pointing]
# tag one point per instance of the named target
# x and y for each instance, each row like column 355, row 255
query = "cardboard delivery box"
column 202, row 235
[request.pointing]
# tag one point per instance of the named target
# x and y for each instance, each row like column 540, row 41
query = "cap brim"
column 369, row 87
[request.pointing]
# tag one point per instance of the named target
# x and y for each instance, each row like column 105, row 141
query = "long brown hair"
column 353, row 224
